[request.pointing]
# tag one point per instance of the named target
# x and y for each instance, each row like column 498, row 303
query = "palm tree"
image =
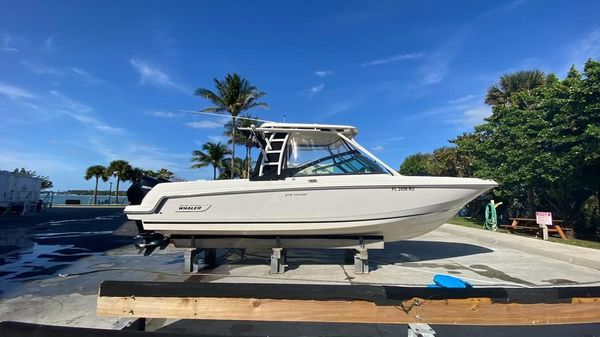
column 134, row 174
column 243, row 137
column 120, row 169
column 213, row 154
column 509, row 84
column 96, row 171
column 234, row 95
column 238, row 168
column 162, row 173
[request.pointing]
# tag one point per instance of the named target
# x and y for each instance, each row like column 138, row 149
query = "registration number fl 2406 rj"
column 403, row 189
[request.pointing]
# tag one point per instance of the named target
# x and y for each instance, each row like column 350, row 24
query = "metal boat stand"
column 192, row 259
column 356, row 248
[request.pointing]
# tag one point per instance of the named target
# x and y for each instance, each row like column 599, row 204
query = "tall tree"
column 418, row 164
column 544, row 143
column 243, row 137
column 162, row 173
column 233, row 95
column 509, row 84
column 121, row 170
column 135, row 173
column 450, row 162
column 212, row 155
column 238, row 168
column 501, row 94
column 46, row 182
column 96, row 171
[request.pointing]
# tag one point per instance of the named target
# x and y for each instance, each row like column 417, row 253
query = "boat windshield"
column 315, row 154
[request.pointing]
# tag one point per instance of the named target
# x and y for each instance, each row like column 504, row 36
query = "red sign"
column 543, row 218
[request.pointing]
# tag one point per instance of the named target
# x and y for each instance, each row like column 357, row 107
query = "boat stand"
column 192, row 259
column 356, row 248
column 278, row 260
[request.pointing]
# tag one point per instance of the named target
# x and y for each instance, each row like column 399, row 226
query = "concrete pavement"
column 95, row 245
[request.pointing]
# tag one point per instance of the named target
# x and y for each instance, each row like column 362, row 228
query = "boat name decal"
column 403, row 188
column 193, row 208
column 301, row 194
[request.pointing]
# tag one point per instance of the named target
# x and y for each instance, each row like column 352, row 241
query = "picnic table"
column 530, row 225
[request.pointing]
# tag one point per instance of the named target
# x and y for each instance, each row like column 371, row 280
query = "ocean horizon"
column 60, row 199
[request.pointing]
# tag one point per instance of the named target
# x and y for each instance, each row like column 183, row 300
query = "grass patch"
column 469, row 222
column 473, row 223
column 577, row 242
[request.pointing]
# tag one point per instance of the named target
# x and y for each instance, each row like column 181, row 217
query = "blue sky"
column 83, row 83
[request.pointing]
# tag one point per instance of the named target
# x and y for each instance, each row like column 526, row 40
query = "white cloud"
column 316, row 89
column 462, row 99
column 92, row 122
column 82, row 113
column 218, row 139
column 164, row 114
column 14, row 93
column 139, row 154
column 204, row 125
column 378, row 148
column 41, row 69
column 60, row 71
column 48, row 44
column 394, row 58
column 586, row 47
column 69, row 104
column 84, row 75
column 313, row 91
column 5, row 44
column 323, row 73
column 338, row 108
column 152, row 75
column 472, row 116
column 41, row 162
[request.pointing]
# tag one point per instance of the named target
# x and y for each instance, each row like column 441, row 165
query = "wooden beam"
column 479, row 311
column 343, row 304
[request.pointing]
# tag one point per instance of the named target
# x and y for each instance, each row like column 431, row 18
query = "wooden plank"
column 349, row 304
column 479, row 311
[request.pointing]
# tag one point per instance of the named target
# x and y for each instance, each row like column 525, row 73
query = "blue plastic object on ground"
column 447, row 281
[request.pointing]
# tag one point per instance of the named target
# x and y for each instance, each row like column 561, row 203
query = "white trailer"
column 19, row 189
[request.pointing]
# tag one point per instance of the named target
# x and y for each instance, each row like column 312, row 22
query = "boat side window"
column 313, row 154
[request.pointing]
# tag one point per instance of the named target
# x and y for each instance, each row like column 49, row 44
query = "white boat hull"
column 395, row 207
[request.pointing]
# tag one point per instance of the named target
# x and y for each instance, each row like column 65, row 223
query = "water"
column 59, row 199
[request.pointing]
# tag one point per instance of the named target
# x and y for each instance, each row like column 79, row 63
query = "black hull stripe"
column 284, row 222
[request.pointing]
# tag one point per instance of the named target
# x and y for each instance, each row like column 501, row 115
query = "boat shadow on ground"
column 394, row 253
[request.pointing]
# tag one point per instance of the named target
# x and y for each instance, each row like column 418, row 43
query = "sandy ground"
column 51, row 265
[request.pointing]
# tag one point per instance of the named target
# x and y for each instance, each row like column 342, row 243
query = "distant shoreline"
column 91, row 192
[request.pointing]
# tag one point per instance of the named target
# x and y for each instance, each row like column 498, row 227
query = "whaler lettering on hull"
column 192, row 208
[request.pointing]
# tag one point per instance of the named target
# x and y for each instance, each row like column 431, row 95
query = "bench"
column 531, row 226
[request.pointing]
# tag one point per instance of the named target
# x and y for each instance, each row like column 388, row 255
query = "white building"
column 18, row 188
